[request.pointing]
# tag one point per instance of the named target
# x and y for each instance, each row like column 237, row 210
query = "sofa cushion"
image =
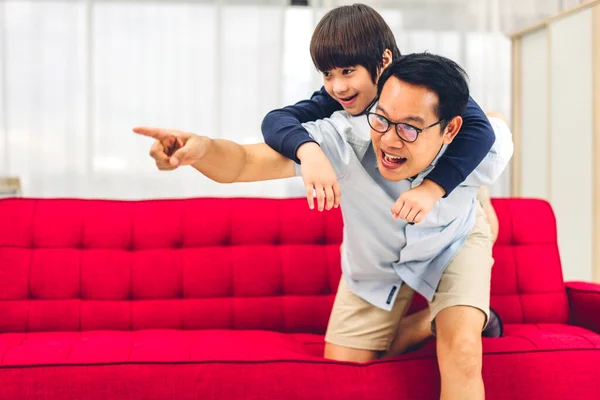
column 106, row 347
column 549, row 361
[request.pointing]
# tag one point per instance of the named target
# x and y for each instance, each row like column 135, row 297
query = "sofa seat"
column 179, row 346
column 522, row 338
column 532, row 359
column 154, row 345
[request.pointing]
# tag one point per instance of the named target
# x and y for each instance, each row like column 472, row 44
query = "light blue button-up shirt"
column 379, row 253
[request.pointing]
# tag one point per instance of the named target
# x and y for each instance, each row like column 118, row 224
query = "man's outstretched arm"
column 222, row 161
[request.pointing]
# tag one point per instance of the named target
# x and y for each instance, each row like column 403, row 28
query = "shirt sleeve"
column 497, row 159
column 332, row 135
column 282, row 128
column 467, row 150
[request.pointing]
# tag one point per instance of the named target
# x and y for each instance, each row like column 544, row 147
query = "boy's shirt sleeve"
column 497, row 159
column 467, row 150
column 282, row 128
column 332, row 135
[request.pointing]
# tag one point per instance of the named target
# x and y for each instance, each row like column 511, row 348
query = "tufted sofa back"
column 527, row 278
column 221, row 263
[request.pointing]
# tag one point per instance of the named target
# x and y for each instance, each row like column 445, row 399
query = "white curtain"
column 76, row 76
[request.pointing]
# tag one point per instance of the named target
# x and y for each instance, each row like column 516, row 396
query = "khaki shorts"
column 358, row 324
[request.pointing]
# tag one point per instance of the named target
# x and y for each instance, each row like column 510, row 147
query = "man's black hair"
column 440, row 74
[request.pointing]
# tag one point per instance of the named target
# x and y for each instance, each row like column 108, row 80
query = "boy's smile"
column 348, row 101
column 352, row 87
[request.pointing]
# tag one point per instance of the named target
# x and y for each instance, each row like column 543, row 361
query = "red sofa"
column 229, row 299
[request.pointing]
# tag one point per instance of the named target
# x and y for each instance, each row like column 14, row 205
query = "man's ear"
column 452, row 129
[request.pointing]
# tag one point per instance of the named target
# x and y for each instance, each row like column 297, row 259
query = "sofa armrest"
column 584, row 302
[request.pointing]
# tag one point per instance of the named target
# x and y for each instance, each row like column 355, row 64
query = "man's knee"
column 461, row 351
column 459, row 339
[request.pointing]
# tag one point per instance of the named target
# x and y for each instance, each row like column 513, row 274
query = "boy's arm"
column 282, row 128
column 467, row 150
column 497, row 159
column 223, row 161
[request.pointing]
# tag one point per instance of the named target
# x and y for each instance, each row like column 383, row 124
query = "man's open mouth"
column 391, row 159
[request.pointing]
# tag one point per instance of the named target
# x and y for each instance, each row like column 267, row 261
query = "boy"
column 383, row 260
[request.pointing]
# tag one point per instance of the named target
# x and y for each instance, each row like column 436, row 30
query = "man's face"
column 352, row 87
column 414, row 105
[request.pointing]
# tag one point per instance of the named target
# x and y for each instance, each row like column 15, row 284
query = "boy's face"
column 414, row 105
column 352, row 87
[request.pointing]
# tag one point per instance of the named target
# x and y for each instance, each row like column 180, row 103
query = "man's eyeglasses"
column 405, row 132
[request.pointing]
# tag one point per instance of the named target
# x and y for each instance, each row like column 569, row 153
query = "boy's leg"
column 460, row 311
column 357, row 330
column 483, row 196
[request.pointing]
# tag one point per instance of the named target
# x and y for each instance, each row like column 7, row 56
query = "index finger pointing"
column 157, row 133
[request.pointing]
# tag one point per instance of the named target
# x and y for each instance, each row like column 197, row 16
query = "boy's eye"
column 326, row 74
column 347, row 71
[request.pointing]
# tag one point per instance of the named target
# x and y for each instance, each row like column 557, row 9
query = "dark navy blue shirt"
column 282, row 130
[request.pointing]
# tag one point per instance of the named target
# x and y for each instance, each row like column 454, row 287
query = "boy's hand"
column 318, row 175
column 173, row 148
column 414, row 204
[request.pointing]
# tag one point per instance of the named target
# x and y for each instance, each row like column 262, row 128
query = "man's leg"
column 415, row 328
column 412, row 330
column 343, row 353
column 459, row 352
column 357, row 330
column 460, row 311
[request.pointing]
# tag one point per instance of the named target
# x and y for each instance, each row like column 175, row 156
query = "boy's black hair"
column 440, row 74
column 352, row 35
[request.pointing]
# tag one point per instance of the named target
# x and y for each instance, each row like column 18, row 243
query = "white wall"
column 534, row 99
column 571, row 131
column 557, row 134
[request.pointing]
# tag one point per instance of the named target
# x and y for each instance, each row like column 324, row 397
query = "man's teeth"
column 389, row 157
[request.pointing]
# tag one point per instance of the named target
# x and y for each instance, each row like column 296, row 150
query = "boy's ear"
column 452, row 129
column 387, row 59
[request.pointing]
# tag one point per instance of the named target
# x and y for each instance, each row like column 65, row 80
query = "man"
column 421, row 99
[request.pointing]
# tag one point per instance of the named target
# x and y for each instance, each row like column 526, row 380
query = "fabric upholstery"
column 584, row 298
column 229, row 299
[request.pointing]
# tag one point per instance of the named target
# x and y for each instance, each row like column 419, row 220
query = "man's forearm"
column 223, row 160
column 226, row 162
